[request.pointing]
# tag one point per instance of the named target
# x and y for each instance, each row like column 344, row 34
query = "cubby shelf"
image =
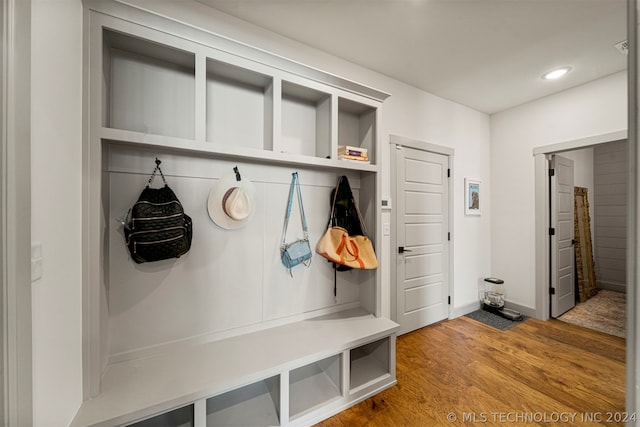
column 224, row 151
column 181, row 417
column 313, row 385
column 150, row 88
column 140, row 388
column 369, row 363
column 255, row 405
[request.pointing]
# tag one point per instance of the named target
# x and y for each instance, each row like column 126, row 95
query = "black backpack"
column 156, row 227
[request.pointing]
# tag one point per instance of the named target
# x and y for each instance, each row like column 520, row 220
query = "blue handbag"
column 298, row 252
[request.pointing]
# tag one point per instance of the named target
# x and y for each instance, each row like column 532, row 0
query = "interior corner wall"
column 56, row 218
column 595, row 108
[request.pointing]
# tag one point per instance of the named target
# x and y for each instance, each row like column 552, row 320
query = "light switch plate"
column 36, row 261
column 386, row 229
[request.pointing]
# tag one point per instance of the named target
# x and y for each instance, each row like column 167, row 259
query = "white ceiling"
column 486, row 54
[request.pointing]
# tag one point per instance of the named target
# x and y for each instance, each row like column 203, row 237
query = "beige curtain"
column 583, row 248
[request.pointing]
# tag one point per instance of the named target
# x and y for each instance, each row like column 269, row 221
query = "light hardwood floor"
column 462, row 372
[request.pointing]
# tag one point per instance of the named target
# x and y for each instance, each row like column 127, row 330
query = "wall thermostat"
column 386, row 203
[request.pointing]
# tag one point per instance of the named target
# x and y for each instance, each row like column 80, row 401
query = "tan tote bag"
column 339, row 247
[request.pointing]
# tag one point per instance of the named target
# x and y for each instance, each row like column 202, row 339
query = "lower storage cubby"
column 301, row 382
column 257, row 404
column 369, row 362
column 314, row 385
column 181, row 417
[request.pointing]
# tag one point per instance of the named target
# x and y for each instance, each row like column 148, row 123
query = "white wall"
column 56, row 149
column 595, row 108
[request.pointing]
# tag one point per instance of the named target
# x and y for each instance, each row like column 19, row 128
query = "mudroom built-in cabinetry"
column 225, row 334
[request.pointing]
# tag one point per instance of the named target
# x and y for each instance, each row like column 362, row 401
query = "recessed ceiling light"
column 556, row 74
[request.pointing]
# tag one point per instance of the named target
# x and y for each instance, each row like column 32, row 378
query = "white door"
column 422, row 226
column 561, row 234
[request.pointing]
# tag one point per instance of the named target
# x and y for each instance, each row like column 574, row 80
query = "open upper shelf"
column 239, row 106
column 149, row 87
column 152, row 89
column 306, row 121
column 357, row 126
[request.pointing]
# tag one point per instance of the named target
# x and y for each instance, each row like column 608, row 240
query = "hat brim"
column 214, row 203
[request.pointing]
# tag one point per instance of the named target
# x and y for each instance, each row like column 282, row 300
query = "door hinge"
column 552, row 291
column 448, row 173
column 552, row 172
column 449, row 300
column 552, row 231
column 449, row 236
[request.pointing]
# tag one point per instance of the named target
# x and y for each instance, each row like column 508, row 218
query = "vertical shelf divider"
column 284, row 398
column 200, row 413
column 201, row 98
column 276, row 130
column 334, row 127
column 346, row 372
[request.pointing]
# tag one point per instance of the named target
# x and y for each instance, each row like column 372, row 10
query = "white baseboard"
column 527, row 311
column 464, row 309
column 468, row 308
column 617, row 287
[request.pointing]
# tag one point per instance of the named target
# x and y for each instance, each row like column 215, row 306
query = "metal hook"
column 238, row 177
column 158, row 162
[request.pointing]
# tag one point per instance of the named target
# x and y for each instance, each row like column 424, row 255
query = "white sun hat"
column 230, row 202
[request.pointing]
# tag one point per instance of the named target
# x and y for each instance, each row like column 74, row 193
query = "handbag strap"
column 355, row 205
column 295, row 186
column 153, row 175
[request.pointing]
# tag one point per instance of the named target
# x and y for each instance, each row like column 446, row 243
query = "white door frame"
column 395, row 141
column 15, row 213
column 542, row 156
column 633, row 220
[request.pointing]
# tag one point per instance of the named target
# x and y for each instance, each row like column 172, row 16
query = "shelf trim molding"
column 223, row 151
column 129, row 11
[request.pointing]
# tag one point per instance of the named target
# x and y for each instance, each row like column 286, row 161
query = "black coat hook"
column 238, row 177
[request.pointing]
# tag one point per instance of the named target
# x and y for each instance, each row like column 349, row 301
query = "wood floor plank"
column 530, row 360
column 463, row 372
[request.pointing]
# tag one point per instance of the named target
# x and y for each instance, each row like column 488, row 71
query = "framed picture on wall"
column 472, row 197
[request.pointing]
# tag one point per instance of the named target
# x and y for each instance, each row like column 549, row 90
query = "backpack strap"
column 153, row 175
column 351, row 200
column 295, row 185
column 332, row 218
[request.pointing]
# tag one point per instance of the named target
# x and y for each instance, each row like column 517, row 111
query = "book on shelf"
column 365, row 162
column 353, row 158
column 352, row 151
